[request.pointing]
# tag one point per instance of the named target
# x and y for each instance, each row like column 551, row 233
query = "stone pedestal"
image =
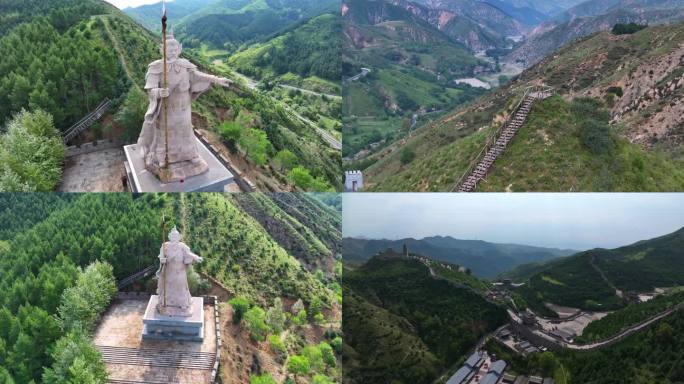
column 174, row 328
column 216, row 179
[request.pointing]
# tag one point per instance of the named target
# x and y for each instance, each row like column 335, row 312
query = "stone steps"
column 505, row 137
column 157, row 357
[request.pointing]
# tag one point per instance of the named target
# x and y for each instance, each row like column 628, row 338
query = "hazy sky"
column 572, row 220
column 121, row 4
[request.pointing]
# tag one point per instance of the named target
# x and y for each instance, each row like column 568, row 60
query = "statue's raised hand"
column 222, row 81
column 199, row 259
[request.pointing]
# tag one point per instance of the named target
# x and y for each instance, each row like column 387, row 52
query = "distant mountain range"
column 228, row 23
column 484, row 259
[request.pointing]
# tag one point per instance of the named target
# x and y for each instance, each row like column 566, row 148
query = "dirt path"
column 119, row 51
column 592, row 262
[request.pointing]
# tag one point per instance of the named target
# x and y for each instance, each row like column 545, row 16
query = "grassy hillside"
column 577, row 281
column 633, row 81
column 305, row 50
column 557, row 128
column 406, row 325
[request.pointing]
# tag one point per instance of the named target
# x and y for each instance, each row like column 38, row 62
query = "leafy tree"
column 262, row 379
column 131, row 116
column 328, row 354
column 337, row 344
column 277, row 344
column 231, row 132
column 285, row 159
column 275, row 317
column 76, row 360
column 322, row 379
column 298, row 365
column 31, row 153
column 255, row 320
column 256, row 145
column 240, row 306
column 83, row 303
column 315, row 357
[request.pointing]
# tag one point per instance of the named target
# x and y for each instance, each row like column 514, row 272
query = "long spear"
column 165, row 85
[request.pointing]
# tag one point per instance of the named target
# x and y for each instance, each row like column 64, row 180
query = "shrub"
column 627, row 29
column 596, row 136
column 240, row 306
column 262, row 379
column 255, row 321
column 407, row 156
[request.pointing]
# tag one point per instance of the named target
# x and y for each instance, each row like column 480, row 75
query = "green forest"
column 418, row 320
column 64, row 58
column 61, row 254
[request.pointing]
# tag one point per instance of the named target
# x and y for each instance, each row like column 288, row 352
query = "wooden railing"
column 536, row 91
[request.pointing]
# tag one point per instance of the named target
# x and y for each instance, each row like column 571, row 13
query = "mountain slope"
column 600, row 278
column 590, row 17
column 482, row 258
column 412, row 67
column 634, row 82
column 404, row 325
column 229, row 23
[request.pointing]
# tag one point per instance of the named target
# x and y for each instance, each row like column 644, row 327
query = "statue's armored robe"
column 185, row 84
column 173, row 290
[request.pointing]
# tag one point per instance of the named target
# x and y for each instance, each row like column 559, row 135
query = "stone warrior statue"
column 174, row 294
column 167, row 134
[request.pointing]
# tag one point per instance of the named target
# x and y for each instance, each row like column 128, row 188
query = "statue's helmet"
column 174, row 235
column 171, row 43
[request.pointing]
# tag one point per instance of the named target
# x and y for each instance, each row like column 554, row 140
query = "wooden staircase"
column 494, row 148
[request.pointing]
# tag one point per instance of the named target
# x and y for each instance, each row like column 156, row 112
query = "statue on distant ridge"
column 174, row 293
column 167, row 137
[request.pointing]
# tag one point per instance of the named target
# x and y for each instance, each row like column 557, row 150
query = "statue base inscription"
column 173, row 328
column 215, row 179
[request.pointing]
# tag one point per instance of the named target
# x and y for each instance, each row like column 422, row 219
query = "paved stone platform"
column 130, row 359
column 98, row 171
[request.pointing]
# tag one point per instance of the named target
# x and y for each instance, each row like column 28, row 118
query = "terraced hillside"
column 310, row 230
column 404, row 325
column 615, row 124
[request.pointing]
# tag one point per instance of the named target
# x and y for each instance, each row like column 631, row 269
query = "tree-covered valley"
column 61, row 256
